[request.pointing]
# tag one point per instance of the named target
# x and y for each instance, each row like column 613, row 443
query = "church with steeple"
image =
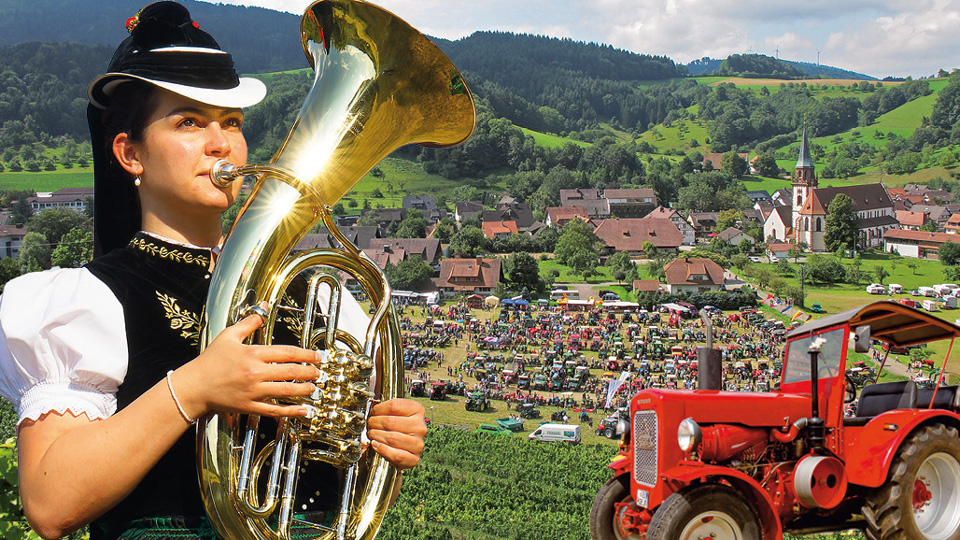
column 804, row 218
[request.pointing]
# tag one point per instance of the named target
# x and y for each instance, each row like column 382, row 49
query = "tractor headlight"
column 689, row 435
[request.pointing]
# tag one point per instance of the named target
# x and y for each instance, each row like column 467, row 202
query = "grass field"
column 548, row 140
column 46, row 181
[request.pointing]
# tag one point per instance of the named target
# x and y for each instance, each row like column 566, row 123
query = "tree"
column 576, row 247
column 733, row 164
column 949, row 254
column 9, row 269
column 881, row 274
column 731, row 217
column 841, row 232
column 622, row 266
column 929, row 226
column 521, row 273
column 825, row 269
column 766, row 165
column 56, row 222
column 74, row 250
column 410, row 273
column 468, row 242
column 414, row 226
column 34, row 253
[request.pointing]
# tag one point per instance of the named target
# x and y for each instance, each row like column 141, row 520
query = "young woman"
column 102, row 362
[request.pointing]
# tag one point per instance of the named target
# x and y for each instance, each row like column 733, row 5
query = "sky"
column 875, row 37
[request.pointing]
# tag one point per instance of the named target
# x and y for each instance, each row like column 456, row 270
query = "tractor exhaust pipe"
column 709, row 360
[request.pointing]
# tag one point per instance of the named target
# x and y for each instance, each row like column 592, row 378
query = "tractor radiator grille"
column 645, row 448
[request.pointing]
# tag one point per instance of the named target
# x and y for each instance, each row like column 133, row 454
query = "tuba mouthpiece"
column 223, row 173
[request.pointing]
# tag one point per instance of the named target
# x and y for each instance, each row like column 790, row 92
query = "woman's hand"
column 396, row 430
column 230, row 376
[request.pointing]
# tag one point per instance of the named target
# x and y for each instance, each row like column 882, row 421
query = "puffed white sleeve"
column 63, row 346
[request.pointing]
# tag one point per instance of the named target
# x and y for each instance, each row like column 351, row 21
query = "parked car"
column 816, row 307
column 493, row 429
column 754, row 259
column 773, row 258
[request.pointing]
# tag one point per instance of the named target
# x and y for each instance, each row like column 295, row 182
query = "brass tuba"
column 379, row 84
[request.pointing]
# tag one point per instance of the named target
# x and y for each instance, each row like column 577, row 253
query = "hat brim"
column 249, row 92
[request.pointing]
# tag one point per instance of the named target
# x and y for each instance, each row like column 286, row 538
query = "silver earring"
column 136, row 181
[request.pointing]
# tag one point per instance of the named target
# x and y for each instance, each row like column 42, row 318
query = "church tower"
column 804, row 179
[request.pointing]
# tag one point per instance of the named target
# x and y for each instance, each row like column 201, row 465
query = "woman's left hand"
column 396, row 430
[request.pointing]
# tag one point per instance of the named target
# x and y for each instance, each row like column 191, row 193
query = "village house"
column 646, row 285
column 910, row 220
column 499, row 229
column 514, row 211
column 693, row 275
column 953, row 224
column 596, row 206
column 72, row 198
column 703, row 223
column 558, row 216
column 322, row 239
column 917, row 244
column 466, row 210
column 716, row 160
column 735, row 236
column 396, row 250
column 684, row 226
column 468, row 276
column 630, row 203
column 630, row 234
column 10, row 239
column 935, row 213
column 426, row 204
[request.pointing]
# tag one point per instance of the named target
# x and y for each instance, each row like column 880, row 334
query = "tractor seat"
column 947, row 398
column 879, row 398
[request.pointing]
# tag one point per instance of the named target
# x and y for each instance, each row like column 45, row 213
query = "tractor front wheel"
column 713, row 511
column 921, row 497
column 605, row 521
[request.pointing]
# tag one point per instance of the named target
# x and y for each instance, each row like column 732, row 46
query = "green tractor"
column 477, row 402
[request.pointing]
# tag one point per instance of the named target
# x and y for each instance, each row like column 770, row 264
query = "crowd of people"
column 590, row 359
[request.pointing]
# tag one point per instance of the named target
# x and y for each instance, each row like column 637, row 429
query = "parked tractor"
column 477, row 402
column 438, row 391
column 729, row 465
column 528, row 411
column 418, row 389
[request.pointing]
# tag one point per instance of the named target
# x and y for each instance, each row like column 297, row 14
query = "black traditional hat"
column 167, row 49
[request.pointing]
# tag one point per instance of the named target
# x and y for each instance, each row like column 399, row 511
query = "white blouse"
column 62, row 344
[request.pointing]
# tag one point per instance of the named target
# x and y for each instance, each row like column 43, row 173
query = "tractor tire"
column 712, row 511
column 604, row 524
column 608, row 433
column 920, row 498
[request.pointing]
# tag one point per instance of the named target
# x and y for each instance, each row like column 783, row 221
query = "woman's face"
column 181, row 142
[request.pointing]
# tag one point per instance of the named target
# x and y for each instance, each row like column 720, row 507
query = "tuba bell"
column 379, row 85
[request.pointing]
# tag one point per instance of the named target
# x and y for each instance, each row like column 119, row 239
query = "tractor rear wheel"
column 604, row 518
column 713, row 511
column 920, row 499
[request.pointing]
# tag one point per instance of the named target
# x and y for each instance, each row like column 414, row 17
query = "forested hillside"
column 260, row 39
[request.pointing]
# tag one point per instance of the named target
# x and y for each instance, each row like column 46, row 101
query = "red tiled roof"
column 629, row 234
column 681, row 272
column 646, row 285
column 493, row 228
column 469, row 274
column 908, row 218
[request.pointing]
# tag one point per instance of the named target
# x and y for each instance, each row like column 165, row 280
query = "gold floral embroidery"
column 294, row 324
column 170, row 254
column 180, row 319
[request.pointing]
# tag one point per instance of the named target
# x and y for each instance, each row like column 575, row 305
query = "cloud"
column 877, row 37
column 916, row 42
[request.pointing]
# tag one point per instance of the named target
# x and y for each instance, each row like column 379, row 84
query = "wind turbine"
column 778, row 50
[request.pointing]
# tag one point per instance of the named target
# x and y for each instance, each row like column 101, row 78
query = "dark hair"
column 129, row 109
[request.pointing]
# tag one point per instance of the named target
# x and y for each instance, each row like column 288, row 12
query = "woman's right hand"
column 231, row 376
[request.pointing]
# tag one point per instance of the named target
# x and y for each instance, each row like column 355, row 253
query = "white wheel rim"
column 713, row 525
column 936, row 497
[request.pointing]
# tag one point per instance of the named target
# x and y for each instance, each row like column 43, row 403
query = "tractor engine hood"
column 754, row 409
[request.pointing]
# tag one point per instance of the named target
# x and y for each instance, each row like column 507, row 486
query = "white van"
column 895, row 288
column 556, row 432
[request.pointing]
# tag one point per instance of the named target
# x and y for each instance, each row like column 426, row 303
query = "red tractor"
column 754, row 465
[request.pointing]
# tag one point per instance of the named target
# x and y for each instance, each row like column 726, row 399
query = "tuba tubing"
column 378, row 85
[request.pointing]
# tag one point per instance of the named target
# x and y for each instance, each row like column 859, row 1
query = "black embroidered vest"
column 162, row 288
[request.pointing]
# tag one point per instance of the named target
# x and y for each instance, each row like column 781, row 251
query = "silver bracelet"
column 173, row 394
